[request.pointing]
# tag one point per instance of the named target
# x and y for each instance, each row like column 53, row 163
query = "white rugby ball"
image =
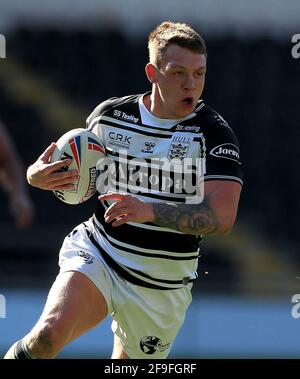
column 85, row 150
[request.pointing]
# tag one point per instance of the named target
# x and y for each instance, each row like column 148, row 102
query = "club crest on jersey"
column 226, row 151
column 179, row 147
column 76, row 149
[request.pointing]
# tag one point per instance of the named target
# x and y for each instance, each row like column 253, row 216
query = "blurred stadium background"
column 64, row 57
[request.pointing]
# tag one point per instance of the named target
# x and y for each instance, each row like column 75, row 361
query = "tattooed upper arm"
column 216, row 214
column 195, row 219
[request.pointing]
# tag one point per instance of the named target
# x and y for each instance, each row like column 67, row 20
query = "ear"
column 151, row 72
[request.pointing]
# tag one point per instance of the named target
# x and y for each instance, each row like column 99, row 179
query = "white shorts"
column 146, row 320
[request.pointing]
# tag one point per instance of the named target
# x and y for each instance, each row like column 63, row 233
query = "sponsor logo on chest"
column 121, row 140
column 124, row 116
column 187, row 128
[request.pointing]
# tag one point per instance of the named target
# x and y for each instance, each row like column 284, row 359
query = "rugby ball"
column 85, row 150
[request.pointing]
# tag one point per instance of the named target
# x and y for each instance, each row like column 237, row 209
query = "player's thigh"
column 74, row 305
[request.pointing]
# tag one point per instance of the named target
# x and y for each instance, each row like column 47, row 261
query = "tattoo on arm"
column 198, row 219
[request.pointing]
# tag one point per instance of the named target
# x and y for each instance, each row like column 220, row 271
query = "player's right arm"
column 51, row 176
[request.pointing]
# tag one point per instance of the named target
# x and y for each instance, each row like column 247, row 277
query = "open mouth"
column 188, row 100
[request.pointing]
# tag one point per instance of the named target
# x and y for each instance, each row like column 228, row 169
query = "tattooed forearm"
column 198, row 219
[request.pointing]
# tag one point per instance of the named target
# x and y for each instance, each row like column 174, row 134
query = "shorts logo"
column 88, row 259
column 226, row 151
column 151, row 344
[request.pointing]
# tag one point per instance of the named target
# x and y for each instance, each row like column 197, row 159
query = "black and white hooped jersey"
column 142, row 147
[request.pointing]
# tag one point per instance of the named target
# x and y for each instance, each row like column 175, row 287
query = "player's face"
column 180, row 82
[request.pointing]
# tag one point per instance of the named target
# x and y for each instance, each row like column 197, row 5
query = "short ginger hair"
column 168, row 33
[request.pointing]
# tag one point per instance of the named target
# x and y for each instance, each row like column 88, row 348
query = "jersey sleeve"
column 94, row 117
column 93, row 120
column 222, row 153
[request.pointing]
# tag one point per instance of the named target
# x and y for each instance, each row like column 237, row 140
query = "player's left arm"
column 216, row 214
